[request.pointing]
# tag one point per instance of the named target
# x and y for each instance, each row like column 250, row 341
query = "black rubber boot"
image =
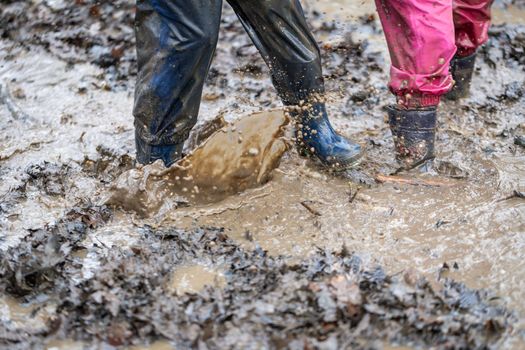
column 147, row 154
column 462, row 69
column 414, row 132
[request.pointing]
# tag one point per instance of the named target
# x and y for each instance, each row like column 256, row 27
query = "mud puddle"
column 75, row 345
column 33, row 316
column 342, row 9
column 463, row 221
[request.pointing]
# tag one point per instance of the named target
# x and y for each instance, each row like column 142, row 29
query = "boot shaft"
column 414, row 133
column 462, row 69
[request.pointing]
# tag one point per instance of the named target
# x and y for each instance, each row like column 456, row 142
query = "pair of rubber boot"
column 315, row 138
column 414, row 130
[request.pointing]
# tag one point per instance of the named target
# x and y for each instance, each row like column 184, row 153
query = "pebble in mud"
column 253, row 152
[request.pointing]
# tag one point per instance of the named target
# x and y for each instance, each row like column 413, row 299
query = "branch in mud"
column 307, row 206
column 515, row 194
column 412, row 181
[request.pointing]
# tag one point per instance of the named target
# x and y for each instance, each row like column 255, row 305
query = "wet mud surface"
column 429, row 259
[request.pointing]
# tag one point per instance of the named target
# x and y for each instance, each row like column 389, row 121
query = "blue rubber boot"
column 316, row 138
column 147, row 153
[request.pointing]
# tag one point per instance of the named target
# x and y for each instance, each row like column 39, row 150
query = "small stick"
column 515, row 194
column 415, row 182
column 310, row 209
column 352, row 196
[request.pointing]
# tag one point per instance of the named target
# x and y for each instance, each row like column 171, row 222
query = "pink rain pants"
column 423, row 36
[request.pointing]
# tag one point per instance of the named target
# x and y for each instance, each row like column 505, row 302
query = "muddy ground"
column 364, row 259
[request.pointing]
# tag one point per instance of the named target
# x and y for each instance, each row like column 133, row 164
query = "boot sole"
column 337, row 167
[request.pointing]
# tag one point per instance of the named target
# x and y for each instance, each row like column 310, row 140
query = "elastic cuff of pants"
column 409, row 101
column 465, row 52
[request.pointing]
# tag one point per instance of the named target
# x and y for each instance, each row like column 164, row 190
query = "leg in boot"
column 175, row 43
column 414, row 133
column 462, row 69
column 471, row 25
column 280, row 32
column 420, row 37
column 316, row 137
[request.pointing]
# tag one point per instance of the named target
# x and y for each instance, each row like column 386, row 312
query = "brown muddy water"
column 66, row 137
column 193, row 278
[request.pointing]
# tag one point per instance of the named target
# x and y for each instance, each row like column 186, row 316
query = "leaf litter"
column 329, row 300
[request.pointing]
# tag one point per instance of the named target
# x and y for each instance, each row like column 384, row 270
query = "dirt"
column 430, row 260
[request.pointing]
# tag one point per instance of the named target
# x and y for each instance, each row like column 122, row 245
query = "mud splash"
column 237, row 157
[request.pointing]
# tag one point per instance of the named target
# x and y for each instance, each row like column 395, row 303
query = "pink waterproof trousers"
column 423, row 37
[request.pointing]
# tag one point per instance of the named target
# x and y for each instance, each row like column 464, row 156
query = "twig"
column 352, row 196
column 441, row 222
column 414, row 182
column 515, row 194
column 310, row 209
column 102, row 243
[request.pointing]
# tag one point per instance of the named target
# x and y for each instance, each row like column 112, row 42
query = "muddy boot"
column 462, row 69
column 414, row 132
column 147, row 154
column 317, row 138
